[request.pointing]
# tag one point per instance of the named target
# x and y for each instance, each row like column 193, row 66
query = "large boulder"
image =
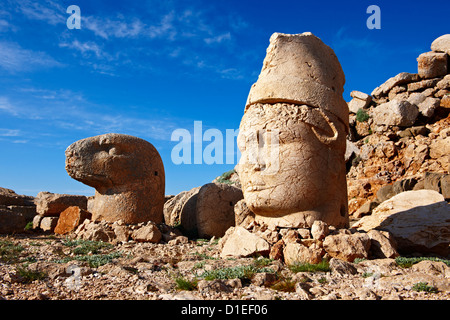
column 181, row 211
column 127, row 173
column 70, row 219
column 395, row 113
column 9, row 197
column 215, row 209
column 442, row 44
column 419, row 220
column 52, row 204
column 432, row 64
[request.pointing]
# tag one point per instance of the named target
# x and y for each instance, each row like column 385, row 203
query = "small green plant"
column 322, row 266
column 262, row 262
column 184, row 284
column 406, row 262
column 224, row 178
column 86, row 246
column 28, row 276
column 362, row 115
column 322, row 280
column 95, row 260
column 9, row 251
column 240, row 272
column 29, row 226
column 423, row 286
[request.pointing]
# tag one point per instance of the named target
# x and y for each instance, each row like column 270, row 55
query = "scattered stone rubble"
column 398, row 161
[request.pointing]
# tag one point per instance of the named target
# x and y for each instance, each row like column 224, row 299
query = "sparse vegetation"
column 423, row 286
column 9, row 252
column 90, row 252
column 27, row 276
column 322, row 266
column 184, row 284
column 224, row 178
column 406, row 262
column 244, row 273
column 362, row 115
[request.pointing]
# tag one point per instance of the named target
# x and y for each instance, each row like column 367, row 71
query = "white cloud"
column 9, row 132
column 51, row 12
column 14, row 58
column 7, row 107
column 218, row 39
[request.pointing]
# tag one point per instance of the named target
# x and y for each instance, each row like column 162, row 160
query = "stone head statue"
column 127, row 174
column 292, row 136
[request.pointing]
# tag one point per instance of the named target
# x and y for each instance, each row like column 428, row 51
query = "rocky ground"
column 39, row 266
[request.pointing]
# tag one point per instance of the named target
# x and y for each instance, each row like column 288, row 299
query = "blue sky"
column 147, row 68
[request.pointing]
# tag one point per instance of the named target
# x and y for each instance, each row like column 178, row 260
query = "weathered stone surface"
column 242, row 243
column 244, row 217
column 10, row 198
column 52, row 204
column 383, row 245
column 440, row 148
column 147, row 233
column 181, row 210
column 428, row 106
column 418, row 220
column 127, row 173
column 12, row 222
column 298, row 253
column 432, row 64
column 70, row 219
column 424, row 84
column 445, row 101
column 347, row 247
column 298, row 102
column 215, row 209
column 89, row 230
column 442, row 44
column 301, row 69
column 48, row 223
column 395, row 113
column 401, row 78
column 319, row 230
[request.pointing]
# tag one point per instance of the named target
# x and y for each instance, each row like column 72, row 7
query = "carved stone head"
column 127, row 173
column 292, row 136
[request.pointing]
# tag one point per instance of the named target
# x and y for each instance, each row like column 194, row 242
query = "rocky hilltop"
column 210, row 245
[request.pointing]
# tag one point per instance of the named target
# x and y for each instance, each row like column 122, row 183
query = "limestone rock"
column 319, row 230
column 127, row 173
column 215, row 209
column 301, row 69
column 181, row 210
column 244, row 217
column 48, row 223
column 12, row 222
column 418, row 220
column 383, row 245
column 242, row 243
column 401, row 78
column 147, row 233
column 347, row 247
column 296, row 101
column 52, row 204
column 9, row 197
column 432, row 64
column 70, row 219
column 395, row 113
column 442, row 44
column 298, row 253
